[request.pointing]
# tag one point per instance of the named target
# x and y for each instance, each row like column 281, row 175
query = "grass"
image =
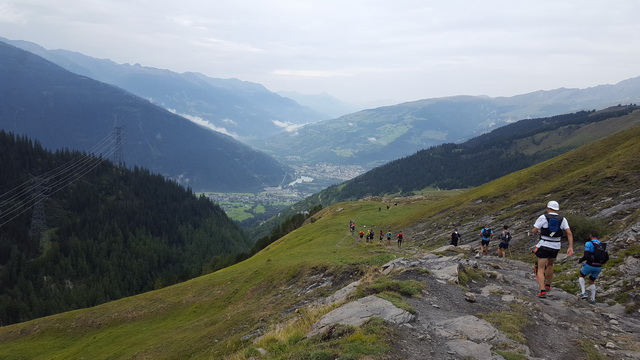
column 392, row 290
column 468, row 275
column 386, row 284
column 510, row 355
column 511, row 322
column 590, row 350
column 207, row 317
column 371, row 341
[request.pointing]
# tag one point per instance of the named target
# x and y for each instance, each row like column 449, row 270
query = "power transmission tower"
column 118, row 154
column 39, row 217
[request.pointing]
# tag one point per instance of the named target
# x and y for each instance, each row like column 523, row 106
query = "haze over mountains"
column 372, row 137
column 64, row 110
column 328, row 151
column 242, row 109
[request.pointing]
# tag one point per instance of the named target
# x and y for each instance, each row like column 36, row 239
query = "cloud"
column 8, row 14
column 287, row 126
column 372, row 139
column 355, row 50
column 225, row 45
column 204, row 123
column 313, row 73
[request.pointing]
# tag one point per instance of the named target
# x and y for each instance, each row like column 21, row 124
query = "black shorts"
column 484, row 242
column 503, row 245
column 547, row 253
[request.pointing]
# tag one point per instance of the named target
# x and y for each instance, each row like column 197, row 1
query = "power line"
column 27, row 185
column 31, row 193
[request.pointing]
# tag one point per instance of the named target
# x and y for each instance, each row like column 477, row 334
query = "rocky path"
column 497, row 315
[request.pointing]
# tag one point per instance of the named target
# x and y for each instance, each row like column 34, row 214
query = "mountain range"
column 372, row 137
column 62, row 110
column 242, row 109
column 330, row 150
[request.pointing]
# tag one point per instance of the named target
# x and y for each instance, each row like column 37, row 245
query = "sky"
column 358, row 51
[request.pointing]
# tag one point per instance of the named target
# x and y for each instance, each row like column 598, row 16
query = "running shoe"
column 547, row 287
column 542, row 294
column 584, row 296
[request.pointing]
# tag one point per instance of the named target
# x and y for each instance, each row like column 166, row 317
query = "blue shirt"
column 482, row 234
column 588, row 246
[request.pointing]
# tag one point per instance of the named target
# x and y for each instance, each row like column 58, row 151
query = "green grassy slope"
column 207, row 317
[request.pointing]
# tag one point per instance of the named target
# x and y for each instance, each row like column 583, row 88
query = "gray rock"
column 448, row 274
column 339, row 295
column 469, row 350
column 356, row 313
column 468, row 327
column 395, row 264
column 470, row 297
column 630, row 267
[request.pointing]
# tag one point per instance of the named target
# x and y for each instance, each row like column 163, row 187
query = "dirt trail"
column 450, row 323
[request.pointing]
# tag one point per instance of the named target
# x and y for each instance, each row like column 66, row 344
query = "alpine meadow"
column 264, row 306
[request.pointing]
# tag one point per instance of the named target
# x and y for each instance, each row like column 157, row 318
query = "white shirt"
column 541, row 222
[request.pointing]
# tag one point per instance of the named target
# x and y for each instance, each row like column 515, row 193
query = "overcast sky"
column 355, row 50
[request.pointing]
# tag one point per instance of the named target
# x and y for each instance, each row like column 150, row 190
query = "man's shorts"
column 547, row 253
column 591, row 271
column 485, row 242
column 503, row 245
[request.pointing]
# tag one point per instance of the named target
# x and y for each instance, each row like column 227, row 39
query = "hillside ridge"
column 215, row 316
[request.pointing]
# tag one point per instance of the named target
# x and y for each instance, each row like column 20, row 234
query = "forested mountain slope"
column 63, row 110
column 77, row 231
column 267, row 304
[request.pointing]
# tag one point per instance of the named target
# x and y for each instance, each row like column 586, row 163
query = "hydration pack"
column 554, row 230
column 599, row 255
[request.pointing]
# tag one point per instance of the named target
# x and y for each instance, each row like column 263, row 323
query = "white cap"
column 553, row 205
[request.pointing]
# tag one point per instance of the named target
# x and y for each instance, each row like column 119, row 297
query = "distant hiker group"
column 369, row 235
column 486, row 234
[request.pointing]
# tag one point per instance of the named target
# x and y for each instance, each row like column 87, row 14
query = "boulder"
column 356, row 313
column 339, row 295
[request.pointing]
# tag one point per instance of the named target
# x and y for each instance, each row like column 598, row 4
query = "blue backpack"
column 554, row 230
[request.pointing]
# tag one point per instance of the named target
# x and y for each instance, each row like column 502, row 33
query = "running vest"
column 553, row 232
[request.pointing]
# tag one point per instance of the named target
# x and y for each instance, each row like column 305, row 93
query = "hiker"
column 551, row 228
column 505, row 237
column 361, row 235
column 352, row 226
column 400, row 238
column 371, row 235
column 595, row 254
column 486, row 233
column 381, row 236
column 389, row 235
column 455, row 237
